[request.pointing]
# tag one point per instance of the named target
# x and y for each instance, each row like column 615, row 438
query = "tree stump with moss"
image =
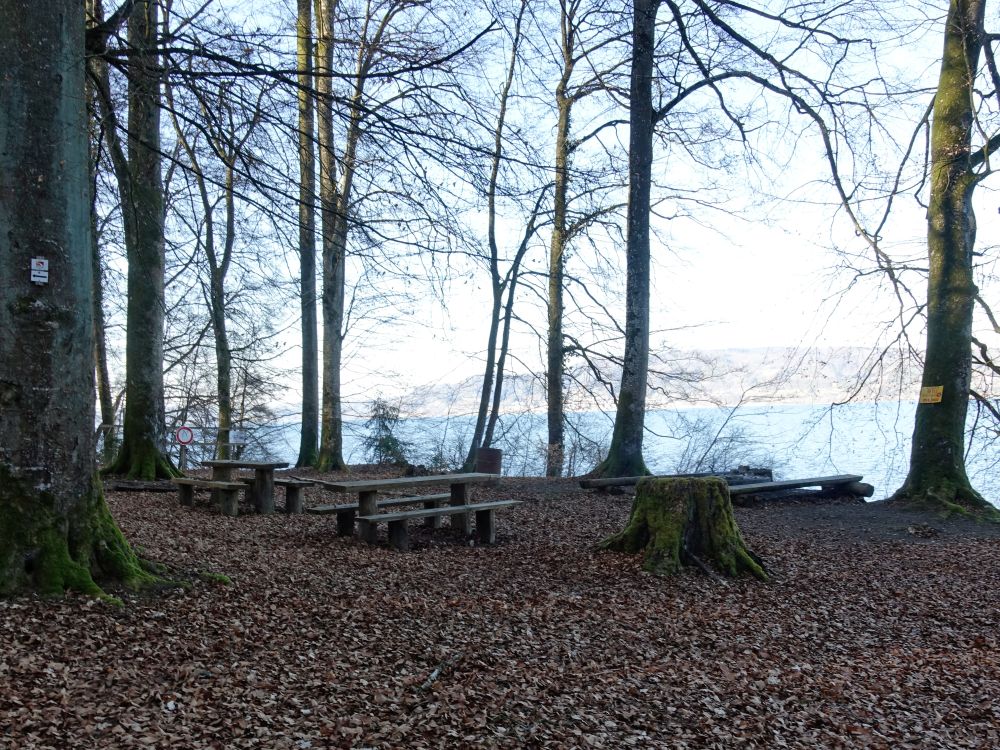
column 678, row 522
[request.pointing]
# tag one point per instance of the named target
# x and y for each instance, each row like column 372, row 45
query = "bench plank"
column 389, row 502
column 347, row 512
column 377, row 485
column 448, row 510
column 795, row 484
column 485, row 520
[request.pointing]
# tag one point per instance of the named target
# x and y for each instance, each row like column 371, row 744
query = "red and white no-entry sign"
column 184, row 435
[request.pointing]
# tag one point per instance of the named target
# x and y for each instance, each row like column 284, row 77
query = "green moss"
column 675, row 521
column 50, row 552
column 219, row 578
column 945, row 497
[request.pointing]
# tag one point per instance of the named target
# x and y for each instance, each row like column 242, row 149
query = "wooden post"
column 460, row 496
column 229, row 502
column 486, row 526
column 345, row 522
column 186, row 492
column 263, row 491
column 398, row 537
column 434, row 522
column 368, row 506
column 293, row 498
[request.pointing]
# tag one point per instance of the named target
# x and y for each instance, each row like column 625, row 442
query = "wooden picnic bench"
column 368, row 490
column 850, row 483
column 228, row 492
column 262, row 492
column 347, row 512
column 399, row 537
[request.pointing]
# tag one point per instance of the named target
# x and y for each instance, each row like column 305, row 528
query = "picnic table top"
column 369, row 485
column 231, row 463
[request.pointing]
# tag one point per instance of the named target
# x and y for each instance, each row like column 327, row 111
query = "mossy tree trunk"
column 625, row 453
column 55, row 529
column 677, row 522
column 937, row 478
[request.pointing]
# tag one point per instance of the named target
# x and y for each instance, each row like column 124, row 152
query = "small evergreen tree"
column 382, row 445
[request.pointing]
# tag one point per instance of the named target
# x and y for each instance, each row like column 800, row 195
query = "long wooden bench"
column 848, row 482
column 399, row 537
column 347, row 513
column 229, row 492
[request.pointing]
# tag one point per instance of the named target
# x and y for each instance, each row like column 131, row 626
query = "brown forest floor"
column 868, row 636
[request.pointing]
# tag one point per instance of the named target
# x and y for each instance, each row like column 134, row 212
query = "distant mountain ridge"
column 722, row 377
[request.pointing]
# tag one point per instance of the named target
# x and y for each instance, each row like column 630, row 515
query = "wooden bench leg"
column 463, row 521
column 263, row 491
column 434, row 522
column 367, row 504
column 486, row 526
column 293, row 499
column 398, row 537
column 186, row 494
column 345, row 522
column 229, row 502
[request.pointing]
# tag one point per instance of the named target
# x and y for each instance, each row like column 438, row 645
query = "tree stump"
column 687, row 521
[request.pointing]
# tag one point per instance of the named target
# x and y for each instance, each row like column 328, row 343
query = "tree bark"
column 309, row 438
column 555, row 450
column 141, row 455
column 625, row 453
column 937, row 478
column 330, row 456
column 678, row 522
column 55, row 529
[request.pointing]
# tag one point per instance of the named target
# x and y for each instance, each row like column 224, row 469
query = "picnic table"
column 262, row 489
column 368, row 489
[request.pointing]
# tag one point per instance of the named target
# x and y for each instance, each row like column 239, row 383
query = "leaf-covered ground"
column 868, row 636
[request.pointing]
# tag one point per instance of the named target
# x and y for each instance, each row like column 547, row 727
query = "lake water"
column 795, row 440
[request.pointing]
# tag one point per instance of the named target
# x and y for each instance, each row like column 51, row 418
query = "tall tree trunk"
column 937, row 477
column 141, row 455
column 508, row 314
column 218, row 268
column 309, row 438
column 333, row 232
column 104, row 397
column 55, row 529
column 625, row 454
column 555, row 451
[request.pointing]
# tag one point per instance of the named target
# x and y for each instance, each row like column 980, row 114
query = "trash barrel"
column 488, row 460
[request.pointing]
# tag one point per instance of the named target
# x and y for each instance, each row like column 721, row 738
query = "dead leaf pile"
column 868, row 636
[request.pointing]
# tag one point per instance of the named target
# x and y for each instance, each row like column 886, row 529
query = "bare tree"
column 141, row 189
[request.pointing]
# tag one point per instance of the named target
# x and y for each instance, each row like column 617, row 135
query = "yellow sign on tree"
column 931, row 394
